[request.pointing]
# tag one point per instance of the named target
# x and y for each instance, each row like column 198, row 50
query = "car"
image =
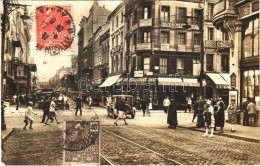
column 130, row 110
column 41, row 94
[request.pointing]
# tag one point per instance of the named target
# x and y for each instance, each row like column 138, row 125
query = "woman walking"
column 28, row 116
column 172, row 115
column 52, row 113
column 221, row 117
column 232, row 114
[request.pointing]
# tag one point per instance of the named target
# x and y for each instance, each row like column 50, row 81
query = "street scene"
column 130, row 82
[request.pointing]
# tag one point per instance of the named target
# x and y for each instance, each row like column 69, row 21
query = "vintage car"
column 41, row 94
column 130, row 110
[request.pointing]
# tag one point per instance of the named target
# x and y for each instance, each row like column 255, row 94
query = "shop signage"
column 177, row 25
column 149, row 73
column 139, row 73
column 143, row 46
column 233, row 80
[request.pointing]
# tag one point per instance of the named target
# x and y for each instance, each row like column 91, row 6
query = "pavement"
column 184, row 121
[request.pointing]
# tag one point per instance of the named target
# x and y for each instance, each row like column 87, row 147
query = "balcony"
column 165, row 46
column 210, row 44
column 223, row 10
column 145, row 22
column 224, row 44
column 143, row 46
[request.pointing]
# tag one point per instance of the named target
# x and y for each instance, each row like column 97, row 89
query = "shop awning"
column 226, row 76
column 138, row 81
column 110, row 81
column 193, row 82
column 218, row 80
column 170, row 81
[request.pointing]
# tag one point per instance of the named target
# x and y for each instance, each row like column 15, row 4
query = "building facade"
column 241, row 20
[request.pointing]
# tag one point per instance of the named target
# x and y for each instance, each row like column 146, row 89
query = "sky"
column 47, row 70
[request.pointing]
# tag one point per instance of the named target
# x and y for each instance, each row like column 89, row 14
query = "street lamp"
column 8, row 9
column 200, row 22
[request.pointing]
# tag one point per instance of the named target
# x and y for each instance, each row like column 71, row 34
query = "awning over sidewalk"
column 110, row 81
column 218, row 80
column 170, row 81
column 193, row 82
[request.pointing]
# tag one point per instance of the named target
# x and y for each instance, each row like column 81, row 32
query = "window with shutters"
column 146, row 65
column 196, row 39
column 146, row 37
column 182, row 14
column 182, row 38
column 163, row 66
column 164, row 37
column 165, row 13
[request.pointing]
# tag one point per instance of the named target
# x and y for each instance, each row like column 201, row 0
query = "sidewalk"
column 242, row 132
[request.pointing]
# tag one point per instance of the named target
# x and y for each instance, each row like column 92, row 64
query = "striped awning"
column 218, row 80
column 192, row 82
column 110, row 81
column 170, row 81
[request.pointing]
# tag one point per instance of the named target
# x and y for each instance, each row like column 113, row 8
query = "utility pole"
column 201, row 28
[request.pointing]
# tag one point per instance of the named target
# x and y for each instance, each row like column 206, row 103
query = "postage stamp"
column 81, row 142
column 55, row 28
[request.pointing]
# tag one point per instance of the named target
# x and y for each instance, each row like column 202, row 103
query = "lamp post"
column 200, row 23
column 7, row 9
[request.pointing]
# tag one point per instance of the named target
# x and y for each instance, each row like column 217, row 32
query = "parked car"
column 130, row 110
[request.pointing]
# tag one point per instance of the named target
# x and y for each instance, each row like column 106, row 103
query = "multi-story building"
column 16, row 62
column 159, row 47
column 240, row 18
column 89, row 25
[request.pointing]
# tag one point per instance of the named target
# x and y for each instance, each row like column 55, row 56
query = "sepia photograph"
column 130, row 82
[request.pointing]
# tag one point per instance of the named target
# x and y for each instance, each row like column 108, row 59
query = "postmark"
column 81, row 142
column 55, row 28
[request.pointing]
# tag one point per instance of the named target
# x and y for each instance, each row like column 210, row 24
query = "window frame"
column 163, row 67
column 212, row 60
column 163, row 12
column 184, row 19
column 196, row 41
column 148, row 37
column 146, row 64
column 182, row 33
column 208, row 37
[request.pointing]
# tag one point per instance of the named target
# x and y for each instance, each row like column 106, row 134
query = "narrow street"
column 145, row 141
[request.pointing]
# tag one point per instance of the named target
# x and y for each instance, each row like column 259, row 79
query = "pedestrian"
column 189, row 102
column 90, row 101
column 52, row 113
column 155, row 104
column 166, row 104
column 28, row 116
column 120, row 106
column 200, row 120
column 232, row 114
column 78, row 105
column 215, row 108
column 62, row 102
column 209, row 119
column 17, row 102
column 143, row 106
column 172, row 115
column 251, row 112
column 245, row 110
column 195, row 108
column 45, row 108
column 220, row 116
column 150, row 107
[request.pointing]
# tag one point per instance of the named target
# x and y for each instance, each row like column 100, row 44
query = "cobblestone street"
column 126, row 145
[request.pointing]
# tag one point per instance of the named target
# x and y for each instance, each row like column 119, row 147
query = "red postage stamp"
column 55, row 28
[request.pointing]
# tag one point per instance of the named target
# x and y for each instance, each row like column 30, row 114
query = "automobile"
column 130, row 110
column 43, row 93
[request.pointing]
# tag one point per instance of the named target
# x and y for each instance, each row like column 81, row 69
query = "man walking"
column 45, row 109
column 17, row 102
column 189, row 102
column 90, row 101
column 245, row 110
column 144, row 106
column 78, row 105
column 195, row 108
column 200, row 120
column 52, row 113
column 251, row 113
column 120, row 106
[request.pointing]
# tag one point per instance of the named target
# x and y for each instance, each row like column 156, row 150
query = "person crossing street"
column 78, row 105
column 120, row 105
column 52, row 113
column 28, row 116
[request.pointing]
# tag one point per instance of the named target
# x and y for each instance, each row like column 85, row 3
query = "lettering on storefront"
column 177, row 25
column 139, row 73
column 233, row 80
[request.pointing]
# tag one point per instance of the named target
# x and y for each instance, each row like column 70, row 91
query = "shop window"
column 163, row 66
column 146, row 65
column 182, row 38
column 164, row 37
column 209, row 62
column 165, row 13
column 146, row 37
column 251, row 38
column 180, row 66
column 196, row 39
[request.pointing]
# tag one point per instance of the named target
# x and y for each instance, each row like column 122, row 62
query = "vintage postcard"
column 130, row 82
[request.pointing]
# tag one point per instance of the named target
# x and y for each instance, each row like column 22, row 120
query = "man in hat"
column 78, row 105
column 52, row 113
column 120, row 105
